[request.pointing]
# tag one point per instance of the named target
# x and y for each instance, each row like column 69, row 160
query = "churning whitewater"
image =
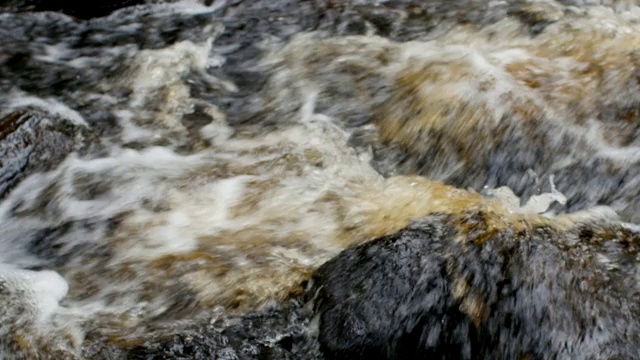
column 321, row 180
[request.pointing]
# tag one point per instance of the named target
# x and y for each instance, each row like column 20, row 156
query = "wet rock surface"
column 271, row 334
column 445, row 288
column 32, row 141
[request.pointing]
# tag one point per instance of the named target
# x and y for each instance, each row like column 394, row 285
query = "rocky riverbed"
column 320, row 179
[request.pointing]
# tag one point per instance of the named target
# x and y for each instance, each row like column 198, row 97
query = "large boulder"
column 465, row 287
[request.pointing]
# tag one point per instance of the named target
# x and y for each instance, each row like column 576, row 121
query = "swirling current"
column 320, row 179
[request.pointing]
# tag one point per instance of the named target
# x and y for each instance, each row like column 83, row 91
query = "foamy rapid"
column 223, row 174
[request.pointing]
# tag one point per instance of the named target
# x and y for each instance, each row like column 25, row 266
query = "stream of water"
column 208, row 158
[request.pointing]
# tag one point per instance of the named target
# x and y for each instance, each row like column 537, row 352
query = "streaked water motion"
column 173, row 162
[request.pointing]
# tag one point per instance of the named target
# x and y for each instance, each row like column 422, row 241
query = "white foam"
column 42, row 290
column 537, row 204
column 55, row 53
column 130, row 131
column 20, row 99
column 216, row 132
column 161, row 95
column 540, row 203
column 594, row 215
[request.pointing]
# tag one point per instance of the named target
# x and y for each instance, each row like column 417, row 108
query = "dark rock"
column 32, row 142
column 449, row 287
column 272, row 334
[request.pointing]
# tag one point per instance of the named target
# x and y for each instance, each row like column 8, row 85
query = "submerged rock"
column 464, row 287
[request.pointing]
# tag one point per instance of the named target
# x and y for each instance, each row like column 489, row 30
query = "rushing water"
column 210, row 158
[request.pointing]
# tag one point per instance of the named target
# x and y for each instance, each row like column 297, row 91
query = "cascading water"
column 173, row 175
